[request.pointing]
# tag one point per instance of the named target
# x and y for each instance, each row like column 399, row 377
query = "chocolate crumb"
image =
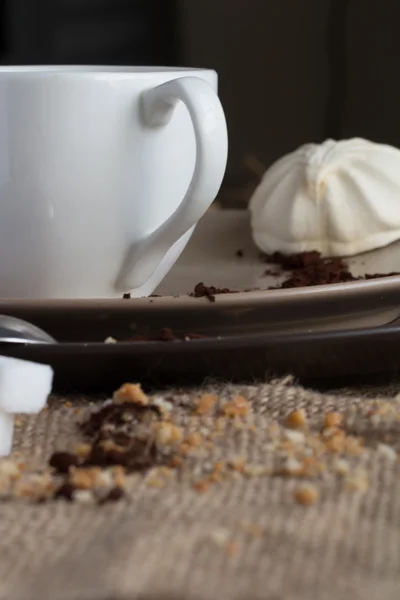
column 127, row 296
column 201, row 291
column 65, row 491
column 288, row 262
column 380, row 275
column 113, row 495
column 63, row 461
column 41, row 500
column 110, row 416
column 167, row 335
column 116, row 437
column 310, row 269
column 138, row 456
column 204, row 291
column 175, row 441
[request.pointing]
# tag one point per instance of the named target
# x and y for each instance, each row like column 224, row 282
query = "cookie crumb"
column 341, row 466
column 83, row 450
column 165, row 406
column 193, row 440
column 296, row 437
column 292, row 467
column 84, row 479
column 131, row 393
column 237, row 407
column 296, row 419
column 387, row 452
column 83, row 497
column 357, row 482
column 220, row 536
column 333, row 419
column 306, row 494
column 202, row 486
column 168, row 434
column 9, row 469
column 251, row 470
column 232, row 548
column 205, row 404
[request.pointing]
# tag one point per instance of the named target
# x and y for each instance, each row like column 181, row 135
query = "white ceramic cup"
column 104, row 172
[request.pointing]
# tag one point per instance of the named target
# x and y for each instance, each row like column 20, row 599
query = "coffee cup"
column 104, row 173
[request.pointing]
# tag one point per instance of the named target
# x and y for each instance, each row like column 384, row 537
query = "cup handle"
column 210, row 131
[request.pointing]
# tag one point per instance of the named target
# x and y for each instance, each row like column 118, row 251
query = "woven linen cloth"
column 160, row 543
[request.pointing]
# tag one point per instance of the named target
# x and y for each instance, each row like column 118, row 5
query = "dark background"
column 291, row 71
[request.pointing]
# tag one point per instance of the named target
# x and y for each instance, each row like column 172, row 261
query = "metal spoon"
column 17, row 331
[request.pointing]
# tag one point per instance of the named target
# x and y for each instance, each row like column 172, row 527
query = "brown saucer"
column 324, row 330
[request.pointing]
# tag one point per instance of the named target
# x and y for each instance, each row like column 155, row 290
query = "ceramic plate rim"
column 253, row 297
column 257, row 339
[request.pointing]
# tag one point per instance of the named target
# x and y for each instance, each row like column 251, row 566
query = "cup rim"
column 87, row 69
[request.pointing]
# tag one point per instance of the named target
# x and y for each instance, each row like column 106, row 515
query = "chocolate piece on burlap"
column 244, row 538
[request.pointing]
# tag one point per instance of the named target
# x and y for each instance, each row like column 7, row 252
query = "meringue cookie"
column 340, row 198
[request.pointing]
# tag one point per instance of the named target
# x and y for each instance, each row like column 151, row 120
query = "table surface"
column 242, row 536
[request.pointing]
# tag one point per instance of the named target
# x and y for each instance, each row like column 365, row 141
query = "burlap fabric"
column 160, row 542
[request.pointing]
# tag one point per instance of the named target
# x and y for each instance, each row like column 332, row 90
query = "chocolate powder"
column 310, row 268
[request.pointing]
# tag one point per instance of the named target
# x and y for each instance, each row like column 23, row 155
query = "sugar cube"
column 24, row 385
column 6, row 433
